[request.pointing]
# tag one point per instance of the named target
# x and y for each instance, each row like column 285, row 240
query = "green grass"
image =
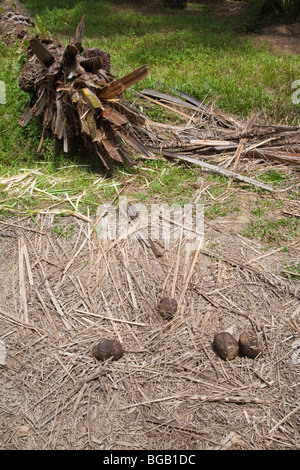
column 191, row 50
column 16, row 143
column 81, row 189
column 64, row 232
column 291, row 271
column 222, row 209
column 272, row 176
column 273, row 232
column 267, row 224
column 194, row 51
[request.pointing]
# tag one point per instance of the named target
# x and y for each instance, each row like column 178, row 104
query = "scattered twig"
column 284, row 419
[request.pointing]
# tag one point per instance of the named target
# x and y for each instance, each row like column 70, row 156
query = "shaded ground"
column 282, row 37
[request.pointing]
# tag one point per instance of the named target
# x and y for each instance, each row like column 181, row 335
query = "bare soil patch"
column 282, row 37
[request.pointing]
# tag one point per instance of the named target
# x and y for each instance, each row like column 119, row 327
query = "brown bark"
column 77, row 96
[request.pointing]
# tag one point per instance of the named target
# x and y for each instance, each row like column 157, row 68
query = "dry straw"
column 170, row 390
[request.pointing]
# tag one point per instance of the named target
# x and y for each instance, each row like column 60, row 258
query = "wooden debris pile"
column 210, row 136
column 211, row 132
column 78, row 97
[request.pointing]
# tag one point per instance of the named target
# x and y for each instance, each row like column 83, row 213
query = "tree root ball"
column 167, row 307
column 90, row 52
column 108, row 348
column 226, row 345
column 249, row 345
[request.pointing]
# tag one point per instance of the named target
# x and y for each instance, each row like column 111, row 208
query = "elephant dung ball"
column 108, row 348
column 167, row 307
column 226, row 345
column 249, row 345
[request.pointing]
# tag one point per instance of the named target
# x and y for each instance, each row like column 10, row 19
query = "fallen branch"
column 272, row 155
column 202, row 398
column 284, row 419
column 215, row 169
